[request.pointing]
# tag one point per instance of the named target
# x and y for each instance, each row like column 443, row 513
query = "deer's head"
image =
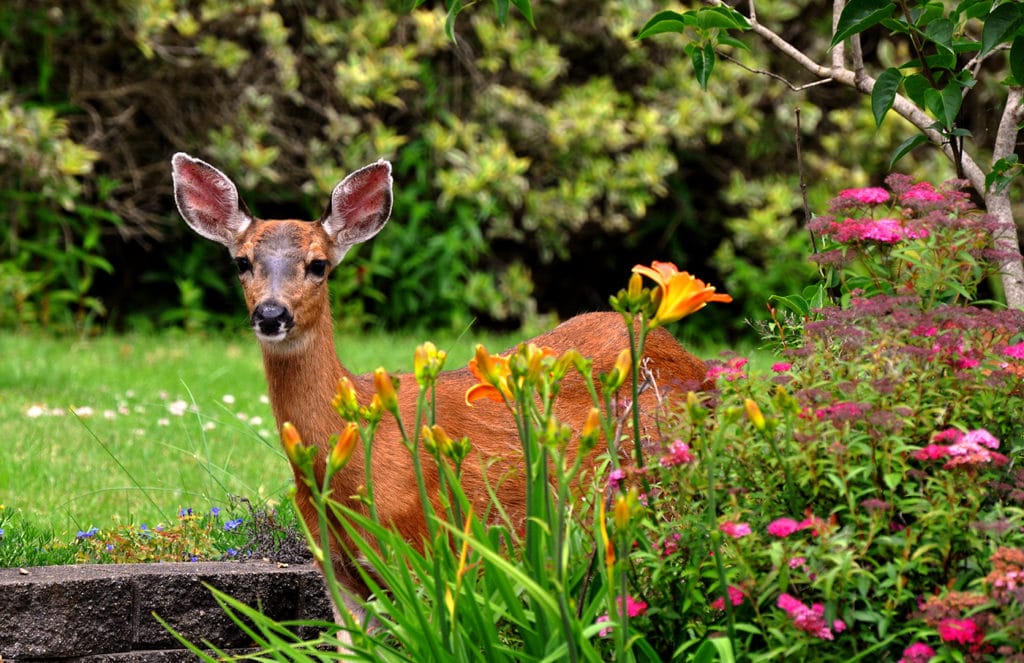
column 283, row 265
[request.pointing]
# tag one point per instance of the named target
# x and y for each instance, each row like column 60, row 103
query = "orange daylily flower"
column 681, row 292
column 490, row 370
column 493, row 372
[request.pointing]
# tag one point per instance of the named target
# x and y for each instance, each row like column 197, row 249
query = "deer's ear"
column 360, row 206
column 208, row 200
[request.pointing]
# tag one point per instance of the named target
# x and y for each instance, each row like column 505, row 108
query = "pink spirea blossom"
column 963, row 631
column 922, row 192
column 735, row 597
column 783, row 366
column 809, row 619
column 974, row 447
column 797, row 562
column 1015, row 351
column 678, row 453
column 917, row 653
column 932, row 452
column 783, row 527
column 634, row 608
column 871, row 195
column 615, row 478
column 735, row 530
column 729, row 371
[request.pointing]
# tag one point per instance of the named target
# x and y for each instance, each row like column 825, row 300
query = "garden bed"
column 105, row 612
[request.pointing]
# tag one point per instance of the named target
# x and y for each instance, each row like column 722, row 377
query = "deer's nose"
column 272, row 319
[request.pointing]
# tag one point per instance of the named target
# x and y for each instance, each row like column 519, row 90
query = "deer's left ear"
column 360, row 206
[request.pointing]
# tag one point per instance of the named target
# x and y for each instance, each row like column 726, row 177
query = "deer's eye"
column 317, row 268
column 243, row 265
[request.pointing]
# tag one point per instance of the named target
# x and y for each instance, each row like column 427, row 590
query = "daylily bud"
column 593, row 423
column 343, row 448
column 427, row 363
column 374, row 411
column 385, row 386
column 429, row 444
column 623, row 369
column 636, row 284
column 460, row 449
column 609, row 546
column 442, row 442
column 754, row 414
column 291, row 441
column 624, row 507
column 346, row 402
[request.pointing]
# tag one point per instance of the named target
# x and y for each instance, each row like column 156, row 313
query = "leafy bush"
column 523, row 155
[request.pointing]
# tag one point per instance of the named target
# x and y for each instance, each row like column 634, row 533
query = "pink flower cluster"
column 922, row 192
column 810, row 619
column 872, row 195
column 1015, row 351
column 729, row 371
column 917, row 653
column 735, row 598
column 963, row 631
column 884, row 231
column 783, row 527
column 974, row 447
column 634, row 608
column 735, row 530
column 678, row 453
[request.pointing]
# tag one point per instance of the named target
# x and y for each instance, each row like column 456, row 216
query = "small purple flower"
column 88, row 534
column 615, row 478
column 215, row 511
column 185, row 512
column 232, row 524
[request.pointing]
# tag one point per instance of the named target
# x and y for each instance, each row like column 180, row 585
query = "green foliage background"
column 534, row 166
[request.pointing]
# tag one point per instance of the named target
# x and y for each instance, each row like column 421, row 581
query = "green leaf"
column 916, row 85
column 501, row 8
column 1017, row 59
column 859, row 15
column 526, row 10
column 666, row 21
column 884, row 93
column 726, row 40
column 952, row 98
column 449, row 20
column 703, row 63
column 725, row 18
column 940, row 31
column 906, row 147
column 1000, row 25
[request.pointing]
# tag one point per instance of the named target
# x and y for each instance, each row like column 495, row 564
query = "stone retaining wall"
column 104, row 612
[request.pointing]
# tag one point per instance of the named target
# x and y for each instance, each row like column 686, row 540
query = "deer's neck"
column 303, row 380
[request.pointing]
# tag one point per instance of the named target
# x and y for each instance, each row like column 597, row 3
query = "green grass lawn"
column 163, row 423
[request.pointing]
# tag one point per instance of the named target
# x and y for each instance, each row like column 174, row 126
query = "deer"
column 283, row 267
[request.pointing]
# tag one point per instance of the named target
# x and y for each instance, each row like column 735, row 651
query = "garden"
column 844, row 485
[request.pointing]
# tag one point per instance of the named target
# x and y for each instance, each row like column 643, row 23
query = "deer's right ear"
column 208, row 200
